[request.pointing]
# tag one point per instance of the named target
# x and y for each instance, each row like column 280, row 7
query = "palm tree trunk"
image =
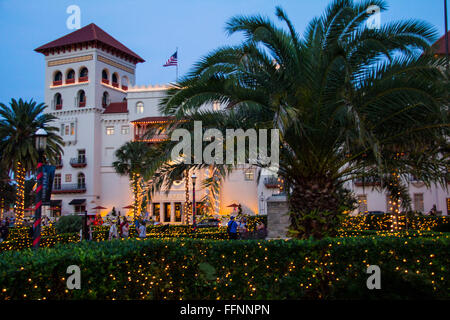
column 186, row 202
column 136, row 205
column 19, row 174
column 314, row 208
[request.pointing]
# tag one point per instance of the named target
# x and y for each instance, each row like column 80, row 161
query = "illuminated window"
column 448, row 205
column 68, row 178
column 178, row 211
column 156, row 208
column 109, row 130
column 139, row 107
column 72, row 129
column 249, row 175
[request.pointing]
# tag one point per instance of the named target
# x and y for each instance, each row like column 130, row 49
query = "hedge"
column 382, row 222
column 209, row 269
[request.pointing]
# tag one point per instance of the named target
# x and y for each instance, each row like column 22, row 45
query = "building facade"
column 90, row 87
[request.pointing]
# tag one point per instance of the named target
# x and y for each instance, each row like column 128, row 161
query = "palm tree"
column 346, row 100
column 18, row 123
column 132, row 158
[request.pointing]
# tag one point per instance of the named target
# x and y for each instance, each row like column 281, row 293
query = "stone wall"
column 277, row 217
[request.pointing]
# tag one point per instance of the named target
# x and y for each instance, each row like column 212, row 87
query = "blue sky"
column 151, row 28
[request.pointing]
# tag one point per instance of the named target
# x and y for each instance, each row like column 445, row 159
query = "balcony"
column 70, row 81
column 79, row 162
column 58, row 106
column 124, row 88
column 83, row 79
column 105, row 81
column 271, row 182
column 82, row 104
column 69, row 188
column 57, row 83
column 115, row 84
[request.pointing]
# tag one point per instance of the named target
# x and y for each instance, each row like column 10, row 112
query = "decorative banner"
column 47, row 183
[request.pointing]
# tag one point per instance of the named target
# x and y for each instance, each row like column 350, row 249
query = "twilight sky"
column 151, row 28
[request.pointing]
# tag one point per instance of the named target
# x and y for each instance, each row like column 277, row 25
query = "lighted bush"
column 207, row 269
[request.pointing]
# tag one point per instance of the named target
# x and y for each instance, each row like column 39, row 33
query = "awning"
column 76, row 202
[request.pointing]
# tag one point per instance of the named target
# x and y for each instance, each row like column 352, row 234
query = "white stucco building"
column 90, row 87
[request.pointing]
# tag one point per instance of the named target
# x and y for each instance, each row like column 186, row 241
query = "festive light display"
column 19, row 209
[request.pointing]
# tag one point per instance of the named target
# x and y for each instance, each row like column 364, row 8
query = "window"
column 249, row 175
column 125, row 129
column 105, row 99
column 57, row 182
column 68, row 178
column 156, row 209
column 109, row 130
column 81, row 181
column 80, row 208
column 124, row 83
column 58, row 101
column 57, row 78
column 67, row 132
column 83, row 74
column 105, row 76
column 70, row 76
column 139, row 107
column 448, row 205
column 177, row 211
column 81, row 97
column 72, row 128
column 62, row 130
column 362, row 203
column 167, row 209
column 216, row 106
column 418, row 202
column 82, row 156
column 115, row 81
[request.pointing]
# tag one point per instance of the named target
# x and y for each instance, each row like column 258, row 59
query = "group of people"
column 239, row 229
column 122, row 229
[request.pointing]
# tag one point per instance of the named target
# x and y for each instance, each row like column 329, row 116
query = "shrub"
column 207, row 269
column 66, row 224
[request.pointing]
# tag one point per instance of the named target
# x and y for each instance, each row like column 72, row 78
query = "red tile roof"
column 89, row 34
column 116, row 107
column 439, row 46
column 153, row 119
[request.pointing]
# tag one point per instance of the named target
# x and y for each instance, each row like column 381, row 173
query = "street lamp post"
column 41, row 144
column 194, row 177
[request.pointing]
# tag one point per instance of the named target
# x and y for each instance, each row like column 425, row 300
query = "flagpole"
column 178, row 59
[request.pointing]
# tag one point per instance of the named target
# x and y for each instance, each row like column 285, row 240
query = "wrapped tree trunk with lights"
column 19, row 208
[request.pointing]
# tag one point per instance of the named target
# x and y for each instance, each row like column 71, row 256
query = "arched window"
column 70, row 76
column 115, row 80
column 139, row 107
column 124, row 83
column 81, row 181
column 105, row 99
column 83, row 75
column 57, row 101
column 105, row 76
column 57, row 78
column 81, row 97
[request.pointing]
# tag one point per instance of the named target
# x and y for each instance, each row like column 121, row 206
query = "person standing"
column 125, row 228
column 113, row 231
column 232, row 228
column 142, row 230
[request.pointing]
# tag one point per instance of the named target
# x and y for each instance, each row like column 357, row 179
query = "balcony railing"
column 106, row 81
column 83, row 79
column 69, row 188
column 82, row 104
column 125, row 88
column 58, row 106
column 115, row 84
column 78, row 162
column 271, row 182
column 70, row 81
column 57, row 82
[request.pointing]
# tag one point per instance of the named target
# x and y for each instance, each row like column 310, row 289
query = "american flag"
column 173, row 61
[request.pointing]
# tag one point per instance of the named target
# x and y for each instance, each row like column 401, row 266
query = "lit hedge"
column 384, row 221
column 208, row 269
